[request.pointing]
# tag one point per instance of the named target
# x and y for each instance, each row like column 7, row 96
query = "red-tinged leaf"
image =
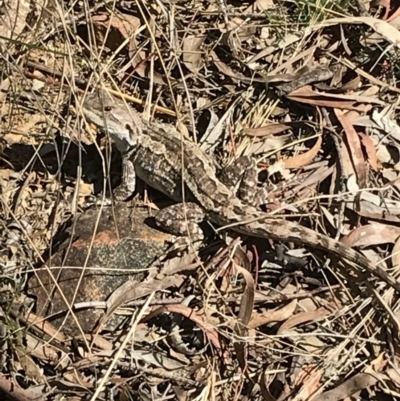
column 354, row 144
column 305, row 158
column 369, row 147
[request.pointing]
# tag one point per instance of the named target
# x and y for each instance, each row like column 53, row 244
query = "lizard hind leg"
column 241, row 178
column 182, row 219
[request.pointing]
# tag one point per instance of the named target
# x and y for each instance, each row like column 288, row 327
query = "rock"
column 121, row 247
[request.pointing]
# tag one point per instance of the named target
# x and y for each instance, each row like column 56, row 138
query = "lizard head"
column 114, row 118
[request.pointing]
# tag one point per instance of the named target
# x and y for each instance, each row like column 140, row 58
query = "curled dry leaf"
column 305, row 158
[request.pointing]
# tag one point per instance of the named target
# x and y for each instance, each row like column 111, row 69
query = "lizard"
column 176, row 166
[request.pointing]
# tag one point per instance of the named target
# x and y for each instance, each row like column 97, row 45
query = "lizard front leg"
column 182, row 219
column 128, row 181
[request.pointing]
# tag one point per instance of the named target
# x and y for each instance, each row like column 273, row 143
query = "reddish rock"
column 107, row 257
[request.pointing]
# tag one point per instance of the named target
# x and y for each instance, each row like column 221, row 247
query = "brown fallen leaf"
column 226, row 70
column 351, row 386
column 380, row 217
column 370, row 148
column 305, row 158
column 192, row 57
column 13, row 17
column 394, row 15
column 273, row 128
column 394, row 377
column 46, row 327
column 278, row 315
column 247, row 301
column 351, row 85
column 11, row 388
column 386, row 5
column 23, row 130
column 303, row 317
column 309, row 379
column 245, row 311
column 339, row 101
column 131, row 290
column 389, row 32
column 371, row 234
column 396, row 253
column 354, row 144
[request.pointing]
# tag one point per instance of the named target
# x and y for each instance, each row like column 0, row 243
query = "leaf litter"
column 307, row 88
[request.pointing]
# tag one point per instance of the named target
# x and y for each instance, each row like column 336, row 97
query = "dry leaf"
column 353, row 141
column 189, row 313
column 13, row 15
column 386, row 124
column 394, row 376
column 224, row 69
column 369, row 146
column 396, row 253
column 303, row 317
column 371, row 234
column 245, row 311
column 308, row 96
column 310, row 380
column 119, row 28
column 278, row 315
column 390, row 33
column 192, row 57
column 351, row 386
column 305, row 158
column 131, row 290
column 273, row 128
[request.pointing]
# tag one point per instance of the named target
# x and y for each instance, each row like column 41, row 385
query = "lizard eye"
column 107, row 108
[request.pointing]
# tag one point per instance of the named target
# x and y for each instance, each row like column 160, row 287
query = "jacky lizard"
column 175, row 165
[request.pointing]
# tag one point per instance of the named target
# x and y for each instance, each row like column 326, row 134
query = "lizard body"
column 170, row 162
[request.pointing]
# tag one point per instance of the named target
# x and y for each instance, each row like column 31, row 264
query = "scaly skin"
column 162, row 158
